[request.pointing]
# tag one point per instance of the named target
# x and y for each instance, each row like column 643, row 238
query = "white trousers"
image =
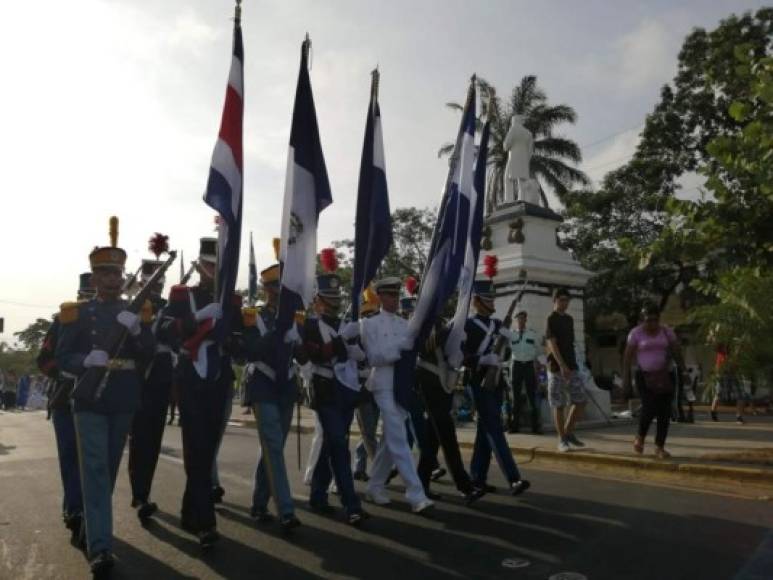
column 316, row 448
column 393, row 450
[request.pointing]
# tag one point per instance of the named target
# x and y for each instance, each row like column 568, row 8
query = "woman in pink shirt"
column 655, row 346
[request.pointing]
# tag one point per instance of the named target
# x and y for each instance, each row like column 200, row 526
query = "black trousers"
column 654, row 406
column 202, row 404
column 147, row 431
column 523, row 373
column 441, row 432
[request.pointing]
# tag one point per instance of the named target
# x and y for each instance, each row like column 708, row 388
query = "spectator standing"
column 655, row 348
column 564, row 381
column 9, row 391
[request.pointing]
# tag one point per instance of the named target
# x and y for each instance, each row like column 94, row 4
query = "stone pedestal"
column 523, row 237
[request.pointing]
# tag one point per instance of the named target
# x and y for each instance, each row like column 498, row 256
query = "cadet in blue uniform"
column 271, row 392
column 435, row 383
column 103, row 424
column 204, row 375
column 482, row 331
column 61, row 417
column 148, row 424
column 335, row 389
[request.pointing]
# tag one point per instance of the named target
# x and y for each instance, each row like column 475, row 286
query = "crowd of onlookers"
column 24, row 392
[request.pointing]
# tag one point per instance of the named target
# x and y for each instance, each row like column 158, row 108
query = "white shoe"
column 563, row 446
column 422, row 506
column 378, row 498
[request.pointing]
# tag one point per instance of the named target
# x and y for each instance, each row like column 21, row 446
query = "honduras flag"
column 453, row 347
column 224, row 187
column 373, row 224
column 307, row 193
column 252, row 291
column 447, row 250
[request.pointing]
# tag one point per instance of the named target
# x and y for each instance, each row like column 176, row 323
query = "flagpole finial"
column 305, row 48
column 238, row 11
column 375, row 77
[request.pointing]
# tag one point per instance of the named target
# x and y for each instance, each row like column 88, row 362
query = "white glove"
column 96, row 358
column 211, row 310
column 355, row 352
column 130, row 320
column 405, row 343
column 507, row 333
column 292, row 336
column 350, row 331
column 490, row 360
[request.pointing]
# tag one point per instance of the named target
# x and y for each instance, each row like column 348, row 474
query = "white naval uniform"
column 381, row 336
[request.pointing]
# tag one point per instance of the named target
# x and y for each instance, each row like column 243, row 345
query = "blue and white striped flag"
column 447, row 250
column 307, row 193
column 224, row 187
column 373, row 224
column 456, row 336
column 252, row 289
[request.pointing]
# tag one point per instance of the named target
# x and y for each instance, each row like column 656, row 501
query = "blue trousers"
column 273, row 419
column 334, row 457
column 490, row 437
column 367, row 414
column 101, row 439
column 229, row 402
column 67, row 448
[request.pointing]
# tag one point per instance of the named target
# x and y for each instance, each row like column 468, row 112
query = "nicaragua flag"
column 307, row 193
column 447, row 250
column 252, row 291
column 373, row 224
column 224, row 188
column 453, row 347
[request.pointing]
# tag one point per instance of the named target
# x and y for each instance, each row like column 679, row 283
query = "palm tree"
column 551, row 153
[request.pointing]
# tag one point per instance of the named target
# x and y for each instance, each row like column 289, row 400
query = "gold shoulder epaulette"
column 249, row 316
column 146, row 312
column 68, row 312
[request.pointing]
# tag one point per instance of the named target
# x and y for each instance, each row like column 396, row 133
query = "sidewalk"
column 735, row 453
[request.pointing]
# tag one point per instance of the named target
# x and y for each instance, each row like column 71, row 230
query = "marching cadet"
column 482, row 331
column 204, row 374
column 366, row 412
column 435, row 384
column 383, row 337
column 61, row 417
column 149, row 421
column 102, row 423
column 271, row 392
column 335, row 393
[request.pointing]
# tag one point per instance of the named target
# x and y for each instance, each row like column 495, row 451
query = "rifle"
column 92, row 383
column 188, row 274
column 491, row 379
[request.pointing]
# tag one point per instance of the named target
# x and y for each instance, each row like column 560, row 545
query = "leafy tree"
column 554, row 156
column 411, row 237
column 643, row 242
column 32, row 336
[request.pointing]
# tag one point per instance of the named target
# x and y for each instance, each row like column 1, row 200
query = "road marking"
column 515, row 563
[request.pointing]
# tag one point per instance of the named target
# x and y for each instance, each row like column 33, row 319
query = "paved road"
column 566, row 523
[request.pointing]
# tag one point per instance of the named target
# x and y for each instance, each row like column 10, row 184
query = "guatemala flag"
column 224, row 188
column 307, row 193
column 252, row 290
column 373, row 224
column 447, row 250
column 453, row 348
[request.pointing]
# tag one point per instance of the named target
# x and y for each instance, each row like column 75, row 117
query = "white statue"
column 519, row 184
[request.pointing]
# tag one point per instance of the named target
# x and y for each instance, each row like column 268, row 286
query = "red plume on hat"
column 411, row 285
column 328, row 260
column 158, row 244
column 490, row 262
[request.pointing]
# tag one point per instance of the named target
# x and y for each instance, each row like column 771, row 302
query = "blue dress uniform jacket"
column 261, row 347
column 87, row 331
column 476, row 335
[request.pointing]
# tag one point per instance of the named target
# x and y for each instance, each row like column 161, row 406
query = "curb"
column 689, row 469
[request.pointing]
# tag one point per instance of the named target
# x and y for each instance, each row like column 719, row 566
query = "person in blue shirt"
column 102, row 423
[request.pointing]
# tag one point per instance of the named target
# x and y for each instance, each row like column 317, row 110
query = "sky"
column 112, row 107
